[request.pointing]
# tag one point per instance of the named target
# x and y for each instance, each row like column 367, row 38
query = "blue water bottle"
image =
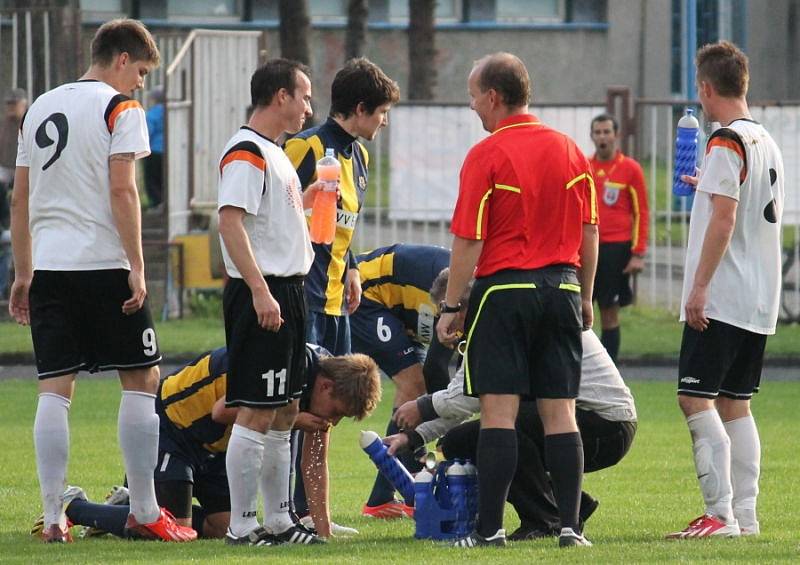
column 685, row 153
column 457, row 486
column 388, row 465
column 472, row 493
column 424, row 511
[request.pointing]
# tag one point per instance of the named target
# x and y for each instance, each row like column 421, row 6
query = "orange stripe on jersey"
column 731, row 146
column 246, row 156
column 118, row 109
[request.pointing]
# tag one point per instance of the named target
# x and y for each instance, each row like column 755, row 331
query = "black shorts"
column 611, row 286
column 265, row 369
column 77, row 324
column 206, row 477
column 524, row 334
column 722, row 361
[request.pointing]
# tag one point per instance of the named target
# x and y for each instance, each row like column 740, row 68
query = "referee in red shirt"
column 525, row 225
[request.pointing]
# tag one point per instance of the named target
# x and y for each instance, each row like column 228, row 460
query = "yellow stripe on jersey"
column 381, row 266
column 341, row 242
column 636, row 217
column 183, row 412
column 508, row 188
column 479, row 223
column 392, row 295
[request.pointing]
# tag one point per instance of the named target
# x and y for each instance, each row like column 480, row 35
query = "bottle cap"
column 329, row 152
column 423, row 477
column 367, row 437
column 456, row 469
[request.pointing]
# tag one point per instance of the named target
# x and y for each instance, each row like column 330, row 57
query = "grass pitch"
column 651, row 492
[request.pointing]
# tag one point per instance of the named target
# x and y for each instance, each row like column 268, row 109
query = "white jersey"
column 742, row 162
column 66, row 139
column 257, row 176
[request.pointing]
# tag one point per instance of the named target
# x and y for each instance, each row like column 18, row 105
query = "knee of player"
column 692, row 405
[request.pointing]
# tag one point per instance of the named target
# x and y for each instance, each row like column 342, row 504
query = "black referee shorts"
column 524, row 334
column 265, row 369
column 611, row 285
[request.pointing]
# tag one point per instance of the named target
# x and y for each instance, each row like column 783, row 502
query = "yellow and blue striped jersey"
column 399, row 277
column 325, row 281
column 186, row 399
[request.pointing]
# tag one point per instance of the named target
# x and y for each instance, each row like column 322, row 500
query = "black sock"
column 610, row 340
column 382, row 490
column 564, row 458
column 107, row 517
column 497, row 461
column 198, row 519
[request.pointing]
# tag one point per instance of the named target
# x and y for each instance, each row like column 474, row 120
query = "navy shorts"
column 376, row 332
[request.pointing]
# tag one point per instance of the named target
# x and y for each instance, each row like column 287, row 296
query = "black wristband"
column 425, row 406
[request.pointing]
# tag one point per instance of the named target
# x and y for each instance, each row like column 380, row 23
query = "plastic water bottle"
column 423, row 497
column 323, row 213
column 685, row 153
column 457, row 485
column 472, row 492
column 388, row 465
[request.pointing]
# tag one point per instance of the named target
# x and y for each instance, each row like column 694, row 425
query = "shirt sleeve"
column 127, row 124
column 242, row 177
column 581, row 180
column 640, row 209
column 303, row 159
column 724, row 166
column 471, row 214
column 23, row 159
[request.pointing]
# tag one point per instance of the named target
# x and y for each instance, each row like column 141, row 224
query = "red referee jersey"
column 526, row 190
column 623, row 207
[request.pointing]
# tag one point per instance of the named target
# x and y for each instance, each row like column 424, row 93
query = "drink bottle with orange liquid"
column 323, row 213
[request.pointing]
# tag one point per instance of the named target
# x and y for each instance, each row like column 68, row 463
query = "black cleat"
column 297, row 534
column 570, row 538
column 477, row 540
column 259, row 536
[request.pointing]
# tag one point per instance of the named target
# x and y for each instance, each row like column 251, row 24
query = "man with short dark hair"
column 267, row 253
column 624, row 218
column 731, row 290
column 525, row 227
column 80, row 283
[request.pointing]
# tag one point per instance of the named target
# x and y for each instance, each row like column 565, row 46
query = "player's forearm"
column 463, row 258
column 715, row 243
column 20, row 229
column 125, row 208
column 314, row 465
column 231, row 229
column 588, row 253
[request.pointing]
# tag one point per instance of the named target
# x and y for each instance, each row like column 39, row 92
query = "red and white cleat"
column 707, row 526
column 54, row 534
column 391, row 510
column 165, row 529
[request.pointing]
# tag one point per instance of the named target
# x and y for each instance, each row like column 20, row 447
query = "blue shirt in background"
column 155, row 127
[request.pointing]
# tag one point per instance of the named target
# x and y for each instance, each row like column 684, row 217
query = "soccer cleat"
column 336, row 529
column 477, row 540
column 165, row 528
column 117, row 496
column 706, row 526
column 570, row 538
column 259, row 536
column 392, row 510
column 752, row 530
column 70, row 494
column 54, row 534
column 298, row 534
column 529, row 532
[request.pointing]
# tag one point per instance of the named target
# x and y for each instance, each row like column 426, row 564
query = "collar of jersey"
column 516, row 121
column 248, row 128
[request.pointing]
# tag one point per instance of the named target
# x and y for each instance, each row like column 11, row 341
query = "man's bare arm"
column 314, row 465
column 18, row 305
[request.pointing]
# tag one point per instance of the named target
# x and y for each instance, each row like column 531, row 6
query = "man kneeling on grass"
column 196, row 425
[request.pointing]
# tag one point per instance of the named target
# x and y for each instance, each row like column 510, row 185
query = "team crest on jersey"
column 362, row 182
column 610, row 193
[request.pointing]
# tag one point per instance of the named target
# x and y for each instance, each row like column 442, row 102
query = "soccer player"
column 80, row 283
column 195, row 428
column 393, row 325
column 267, row 253
column 731, row 291
column 624, row 218
column 524, row 223
column 361, row 97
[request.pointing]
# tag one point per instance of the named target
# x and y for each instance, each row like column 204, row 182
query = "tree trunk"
column 294, row 30
column 421, row 49
column 357, row 14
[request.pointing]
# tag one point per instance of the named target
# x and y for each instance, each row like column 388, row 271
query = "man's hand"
column 449, row 330
column 310, row 193
column 268, row 310
column 634, row 266
column 695, row 308
column 352, row 290
column 18, row 304
column 138, row 292
column 395, row 443
column 407, row 416
column 308, row 422
column 587, row 312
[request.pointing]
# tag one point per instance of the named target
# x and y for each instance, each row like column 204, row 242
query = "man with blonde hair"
column 80, row 281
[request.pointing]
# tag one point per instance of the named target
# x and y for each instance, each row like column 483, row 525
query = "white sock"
column 243, row 462
column 275, row 481
column 138, row 440
column 745, row 469
column 712, row 460
column 51, row 438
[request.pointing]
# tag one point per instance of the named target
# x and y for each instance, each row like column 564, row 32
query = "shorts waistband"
column 296, row 279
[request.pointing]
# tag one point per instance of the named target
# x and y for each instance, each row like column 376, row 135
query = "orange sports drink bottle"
column 323, row 213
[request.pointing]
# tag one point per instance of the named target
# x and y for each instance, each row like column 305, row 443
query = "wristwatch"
column 444, row 308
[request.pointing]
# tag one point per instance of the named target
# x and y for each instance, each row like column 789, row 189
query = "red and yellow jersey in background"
column 622, row 201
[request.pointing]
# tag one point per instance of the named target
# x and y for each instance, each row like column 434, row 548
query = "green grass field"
column 651, row 492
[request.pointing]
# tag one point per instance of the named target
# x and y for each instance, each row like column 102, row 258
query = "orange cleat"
column 707, row 526
column 392, row 510
column 164, row 529
column 54, row 534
